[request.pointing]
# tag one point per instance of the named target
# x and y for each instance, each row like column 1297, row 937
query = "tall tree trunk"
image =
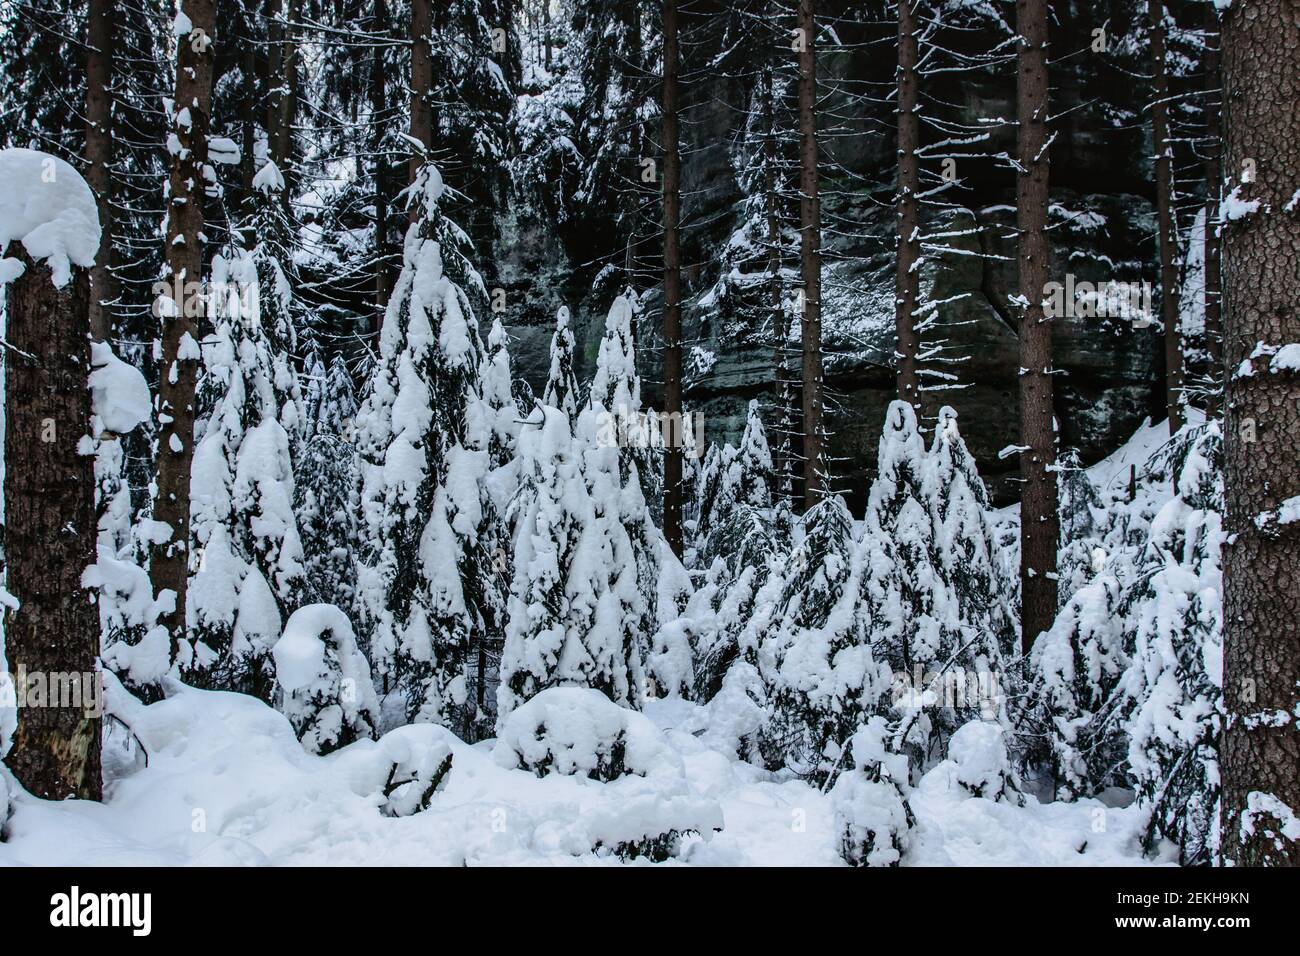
column 1039, row 519
column 421, row 83
column 631, row 198
column 672, row 289
column 1261, row 564
column 1213, row 196
column 99, row 156
column 275, row 90
column 285, row 101
column 170, row 560
column 1168, row 238
column 383, row 189
column 248, row 109
column 546, row 30
column 49, row 490
column 784, row 387
column 810, row 260
column 908, row 279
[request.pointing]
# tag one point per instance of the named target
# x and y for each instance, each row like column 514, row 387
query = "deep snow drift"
column 228, row 783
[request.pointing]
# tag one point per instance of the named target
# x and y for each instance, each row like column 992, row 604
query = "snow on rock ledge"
column 47, row 206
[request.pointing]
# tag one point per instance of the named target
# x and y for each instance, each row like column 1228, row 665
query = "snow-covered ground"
column 227, row 783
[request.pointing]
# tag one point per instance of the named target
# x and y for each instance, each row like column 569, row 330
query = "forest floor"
column 227, row 783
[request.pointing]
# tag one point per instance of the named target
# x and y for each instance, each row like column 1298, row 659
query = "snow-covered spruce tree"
column 575, row 608
column 561, row 385
column 870, row 800
column 747, row 550
column 326, row 490
column 501, row 424
column 914, row 613
column 670, row 650
column 967, row 546
column 615, row 396
column 250, row 572
column 325, row 685
column 823, row 678
column 738, row 548
column 1170, row 699
column 613, row 421
column 740, row 476
column 1072, row 672
column 268, row 235
column 120, row 401
column 1082, row 526
column 428, row 589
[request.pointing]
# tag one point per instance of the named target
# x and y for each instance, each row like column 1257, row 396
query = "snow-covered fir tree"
column 872, row 813
column 326, row 490
column 501, row 427
column 324, row 680
column 736, row 476
column 120, row 402
column 967, row 545
column 1082, row 526
column 1170, row 698
column 823, row 677
column 1073, row 670
column 576, row 609
column 561, row 386
column 428, row 589
column 250, row 572
column 914, row 612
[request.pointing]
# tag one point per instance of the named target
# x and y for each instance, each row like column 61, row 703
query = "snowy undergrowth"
column 228, row 783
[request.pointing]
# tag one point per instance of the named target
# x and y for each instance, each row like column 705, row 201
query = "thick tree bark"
column 783, row 385
column 631, row 68
column 275, row 34
column 1261, row 563
column 248, row 110
column 810, row 260
column 283, row 104
column 1167, row 239
column 52, row 638
column 99, row 157
column 546, row 30
column 169, row 561
column 383, row 189
column 421, row 83
column 1039, row 519
column 908, row 279
column 672, row 289
column 1214, row 195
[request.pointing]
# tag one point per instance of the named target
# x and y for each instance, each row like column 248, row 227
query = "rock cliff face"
column 1102, row 230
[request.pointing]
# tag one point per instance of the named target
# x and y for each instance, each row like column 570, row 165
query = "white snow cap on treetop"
column 269, row 178
column 47, row 206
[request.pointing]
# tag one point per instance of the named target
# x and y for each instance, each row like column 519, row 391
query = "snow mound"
column 737, row 713
column 328, row 694
column 980, row 764
column 47, row 206
column 228, row 783
column 404, row 770
column 577, row 731
column 119, row 395
column 871, row 808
